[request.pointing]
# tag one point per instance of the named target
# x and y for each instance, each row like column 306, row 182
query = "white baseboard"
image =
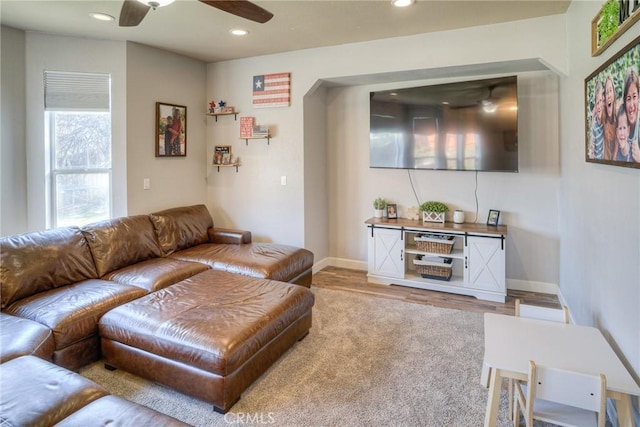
column 531, row 286
column 339, row 262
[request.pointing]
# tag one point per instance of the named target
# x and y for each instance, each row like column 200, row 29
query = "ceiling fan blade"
column 242, row 8
column 132, row 13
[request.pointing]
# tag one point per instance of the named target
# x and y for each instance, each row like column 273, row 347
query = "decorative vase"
column 378, row 213
column 433, row 217
column 458, row 217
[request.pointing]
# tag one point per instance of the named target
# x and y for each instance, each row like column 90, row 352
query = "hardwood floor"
column 356, row 281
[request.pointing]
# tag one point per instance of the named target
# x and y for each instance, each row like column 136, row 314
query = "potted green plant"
column 433, row 211
column 379, row 205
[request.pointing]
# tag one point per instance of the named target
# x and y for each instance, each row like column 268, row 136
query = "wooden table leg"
column 493, row 400
column 623, row 408
column 484, row 376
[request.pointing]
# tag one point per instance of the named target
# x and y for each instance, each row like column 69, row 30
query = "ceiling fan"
column 134, row 11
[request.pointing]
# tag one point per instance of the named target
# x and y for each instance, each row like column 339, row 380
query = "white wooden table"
column 510, row 342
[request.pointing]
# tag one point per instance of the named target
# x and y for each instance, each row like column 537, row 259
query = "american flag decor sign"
column 272, row 90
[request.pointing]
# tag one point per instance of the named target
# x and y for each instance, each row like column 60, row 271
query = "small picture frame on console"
column 392, row 211
column 493, row 217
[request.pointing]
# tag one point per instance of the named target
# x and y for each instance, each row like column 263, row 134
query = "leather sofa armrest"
column 229, row 236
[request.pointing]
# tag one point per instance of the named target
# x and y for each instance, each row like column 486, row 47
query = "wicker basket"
column 434, row 243
column 440, row 270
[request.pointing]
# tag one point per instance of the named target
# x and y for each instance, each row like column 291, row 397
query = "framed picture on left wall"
column 171, row 130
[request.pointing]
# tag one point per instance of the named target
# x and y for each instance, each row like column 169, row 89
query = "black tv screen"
column 469, row 126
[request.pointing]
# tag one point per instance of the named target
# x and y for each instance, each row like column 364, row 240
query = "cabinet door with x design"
column 386, row 253
column 485, row 264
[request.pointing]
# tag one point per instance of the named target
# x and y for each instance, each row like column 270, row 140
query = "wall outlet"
column 283, row 180
column 146, row 184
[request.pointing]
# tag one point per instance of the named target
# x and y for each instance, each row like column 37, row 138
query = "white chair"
column 535, row 312
column 561, row 397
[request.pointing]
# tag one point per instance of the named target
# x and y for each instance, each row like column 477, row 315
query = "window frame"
column 54, row 172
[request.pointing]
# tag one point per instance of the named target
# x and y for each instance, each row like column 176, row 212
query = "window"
column 78, row 120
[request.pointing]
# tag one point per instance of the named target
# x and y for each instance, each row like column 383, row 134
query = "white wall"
column 154, row 75
column 599, row 208
column 140, row 77
column 528, row 200
column 48, row 52
column 351, row 185
column 13, row 154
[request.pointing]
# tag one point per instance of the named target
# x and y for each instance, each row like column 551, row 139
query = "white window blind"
column 67, row 91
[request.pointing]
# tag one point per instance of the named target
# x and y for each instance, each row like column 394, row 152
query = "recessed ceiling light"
column 402, row 3
column 101, row 16
column 239, row 32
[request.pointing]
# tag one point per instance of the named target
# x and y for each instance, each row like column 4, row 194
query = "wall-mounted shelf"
column 235, row 114
column 235, row 165
column 267, row 137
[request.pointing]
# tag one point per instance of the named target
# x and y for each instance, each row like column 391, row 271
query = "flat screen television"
column 465, row 126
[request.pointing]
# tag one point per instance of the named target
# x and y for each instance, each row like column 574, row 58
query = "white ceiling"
column 194, row 29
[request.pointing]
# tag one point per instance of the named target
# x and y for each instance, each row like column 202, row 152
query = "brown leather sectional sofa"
column 57, row 285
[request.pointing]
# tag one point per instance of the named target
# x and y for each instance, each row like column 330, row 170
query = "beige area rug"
column 366, row 362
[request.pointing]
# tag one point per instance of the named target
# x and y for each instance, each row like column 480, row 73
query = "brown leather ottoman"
column 209, row 336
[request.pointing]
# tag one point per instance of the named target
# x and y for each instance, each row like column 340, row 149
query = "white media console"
column 477, row 260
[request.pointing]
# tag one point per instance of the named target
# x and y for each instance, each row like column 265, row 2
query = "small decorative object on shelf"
column 493, row 217
column 392, row 211
column 222, row 154
column 260, row 131
column 224, row 108
column 379, row 205
column 458, row 217
column 246, row 127
column 433, row 211
column 221, row 110
column 249, row 130
column 412, row 213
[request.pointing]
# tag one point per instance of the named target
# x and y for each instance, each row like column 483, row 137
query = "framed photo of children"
column 171, row 130
column 392, row 211
column 222, row 155
column 612, row 105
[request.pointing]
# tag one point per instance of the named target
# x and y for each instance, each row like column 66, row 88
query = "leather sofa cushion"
column 72, row 312
column 264, row 260
column 35, row 392
column 157, row 273
column 116, row 243
column 182, row 227
column 20, row 337
column 214, row 320
column 36, row 262
column 115, row 411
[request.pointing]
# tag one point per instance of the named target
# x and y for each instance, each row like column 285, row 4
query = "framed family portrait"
column 612, row 104
column 171, row 130
column 493, row 217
